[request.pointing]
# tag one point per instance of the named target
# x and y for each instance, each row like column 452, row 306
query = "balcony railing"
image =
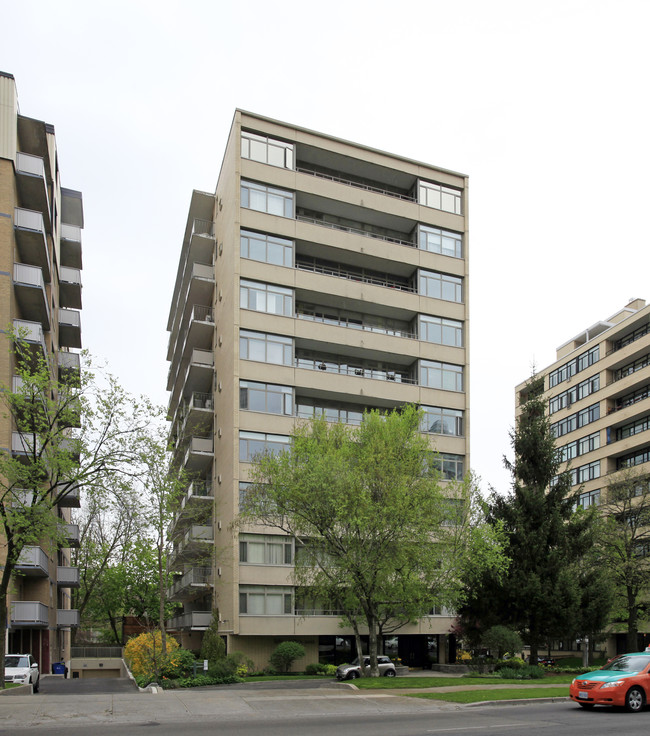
column 31, row 332
column 29, row 613
column 203, row 227
column 71, row 232
column 29, row 220
column 197, row 578
column 67, row 618
column 192, row 620
column 351, row 275
column 28, row 164
column 398, row 375
column 354, row 323
column 33, row 561
column 357, row 184
column 355, row 230
column 24, row 444
column 71, row 534
column 69, row 361
column 72, row 498
column 67, row 577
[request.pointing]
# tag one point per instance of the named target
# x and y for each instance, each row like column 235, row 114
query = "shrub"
column 318, row 668
column 179, row 663
column 527, row 672
column 144, row 652
column 330, row 670
column 500, row 640
column 285, row 654
column 269, row 671
column 213, row 647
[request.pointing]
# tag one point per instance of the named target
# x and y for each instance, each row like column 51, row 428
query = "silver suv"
column 352, row 671
column 22, row 669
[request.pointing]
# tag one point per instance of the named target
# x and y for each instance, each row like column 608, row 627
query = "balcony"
column 197, row 542
column 70, row 287
column 197, row 376
column 195, row 581
column 24, row 445
column 67, row 618
column 67, row 577
column 31, row 239
column 196, row 287
column 199, row 454
column 71, row 246
column 195, row 415
column 71, row 535
column 195, row 504
column 32, row 184
column 202, row 241
column 69, row 328
column 34, row 562
column 69, row 365
column 195, row 620
column 32, row 336
column 71, row 498
column 29, row 287
column 195, row 331
column 32, row 614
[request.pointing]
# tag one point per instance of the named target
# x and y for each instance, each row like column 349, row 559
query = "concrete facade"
column 321, row 277
column 40, row 294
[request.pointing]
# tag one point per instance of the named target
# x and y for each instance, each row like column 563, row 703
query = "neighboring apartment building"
column 40, row 252
column 322, row 277
column 598, row 398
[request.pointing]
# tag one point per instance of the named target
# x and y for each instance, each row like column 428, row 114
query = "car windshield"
column 13, row 661
column 628, row 663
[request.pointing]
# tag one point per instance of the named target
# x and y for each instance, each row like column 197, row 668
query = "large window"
column 441, row 420
column 585, row 473
column 580, row 447
column 577, row 420
column 441, row 286
column 258, row 443
column 266, row 397
column 266, row 348
column 266, row 248
column 445, row 242
column 584, row 360
column 307, row 408
column 440, row 197
column 354, row 320
column 266, row 199
column 441, row 331
column 265, row 600
column 261, row 549
column 446, row 376
column 266, row 150
column 450, row 466
column 635, row 458
column 591, row 498
column 267, row 298
column 632, row 428
column 352, row 367
column 630, row 368
column 566, row 398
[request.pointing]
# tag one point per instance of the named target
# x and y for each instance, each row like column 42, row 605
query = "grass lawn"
column 478, row 696
column 400, row 683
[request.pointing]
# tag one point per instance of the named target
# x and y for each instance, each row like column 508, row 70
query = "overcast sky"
column 544, row 105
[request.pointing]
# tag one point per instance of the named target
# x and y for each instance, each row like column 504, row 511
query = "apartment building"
column 321, row 278
column 40, row 250
column 598, row 397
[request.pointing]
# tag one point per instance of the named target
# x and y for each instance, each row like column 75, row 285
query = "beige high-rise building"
column 40, row 282
column 598, row 402
column 321, row 278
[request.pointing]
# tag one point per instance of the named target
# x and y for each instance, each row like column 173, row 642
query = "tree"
column 379, row 538
column 625, row 541
column 547, row 540
column 285, row 654
column 502, row 640
column 74, row 432
column 213, row 647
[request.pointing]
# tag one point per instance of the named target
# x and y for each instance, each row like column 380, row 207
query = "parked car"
column 546, row 661
column 23, row 669
column 353, row 670
column 624, row 682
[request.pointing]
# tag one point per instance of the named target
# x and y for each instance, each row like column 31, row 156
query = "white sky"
column 544, row 105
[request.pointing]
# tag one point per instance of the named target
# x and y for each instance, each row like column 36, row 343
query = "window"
column 265, row 397
column 630, row 368
column 449, row 466
column 585, row 473
column 566, row 398
column 577, row 420
column 266, row 248
column 631, row 337
column 441, row 331
column 354, row 320
column 265, row 348
column 441, row 286
column 574, row 366
column 445, row 242
column 314, row 361
column 445, row 376
column 266, row 199
column 258, row 443
column 440, row 197
column 579, row 447
column 266, row 150
column 307, row 408
column 259, row 549
column 636, row 458
column 440, row 420
column 636, row 427
column 265, row 600
column 265, row 298
column 591, row 498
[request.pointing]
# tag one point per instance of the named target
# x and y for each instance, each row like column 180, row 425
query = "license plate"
column 583, row 695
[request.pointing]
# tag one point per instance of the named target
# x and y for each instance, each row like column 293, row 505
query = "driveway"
column 57, row 685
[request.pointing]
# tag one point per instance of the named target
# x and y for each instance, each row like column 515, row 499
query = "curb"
column 521, row 701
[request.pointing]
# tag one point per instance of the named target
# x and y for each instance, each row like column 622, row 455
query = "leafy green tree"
column 502, row 640
column 79, row 431
column 379, row 538
column 547, row 541
column 625, row 542
column 285, row 654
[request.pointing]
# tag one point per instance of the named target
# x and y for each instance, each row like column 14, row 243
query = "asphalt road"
column 539, row 719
